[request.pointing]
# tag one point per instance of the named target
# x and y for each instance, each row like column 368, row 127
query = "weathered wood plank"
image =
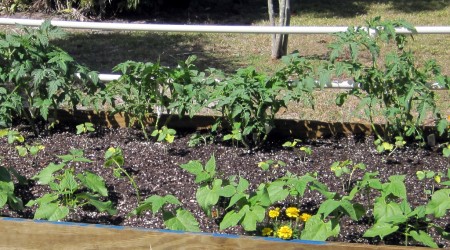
column 29, row 234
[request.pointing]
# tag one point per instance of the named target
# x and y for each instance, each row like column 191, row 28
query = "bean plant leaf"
column 423, row 237
column 439, row 204
column 93, row 182
column 381, row 229
column 277, row 192
column 232, row 218
column 68, row 183
column 102, row 206
column 45, row 176
column 183, row 220
column 388, row 212
column 155, row 203
column 317, row 229
column 51, row 212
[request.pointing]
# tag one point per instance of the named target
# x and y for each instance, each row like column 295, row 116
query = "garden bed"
column 156, row 169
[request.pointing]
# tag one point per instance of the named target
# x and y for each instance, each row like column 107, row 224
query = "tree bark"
column 279, row 41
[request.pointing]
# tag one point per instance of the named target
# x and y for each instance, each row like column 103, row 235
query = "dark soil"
column 156, row 168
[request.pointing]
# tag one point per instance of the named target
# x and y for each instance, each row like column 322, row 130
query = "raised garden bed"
column 155, row 167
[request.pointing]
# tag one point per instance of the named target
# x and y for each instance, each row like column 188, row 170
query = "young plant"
column 175, row 218
column 164, row 134
column 397, row 89
column 265, row 165
column 12, row 136
column 198, row 138
column 115, row 160
column 425, row 174
column 211, row 188
column 383, row 146
column 303, row 151
column 150, row 88
column 84, row 128
column 249, row 100
column 37, row 76
column 393, row 213
column 33, row 150
column 69, row 190
column 342, row 167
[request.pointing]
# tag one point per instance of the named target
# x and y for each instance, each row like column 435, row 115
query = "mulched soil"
column 156, row 168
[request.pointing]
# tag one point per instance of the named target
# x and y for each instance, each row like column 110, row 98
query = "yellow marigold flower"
column 267, row 231
column 284, row 232
column 274, row 213
column 305, row 216
column 292, row 212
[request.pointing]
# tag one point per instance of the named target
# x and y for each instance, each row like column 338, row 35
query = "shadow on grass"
column 352, row 8
column 102, row 51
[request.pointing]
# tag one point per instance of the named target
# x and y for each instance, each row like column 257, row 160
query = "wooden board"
column 30, row 234
column 283, row 127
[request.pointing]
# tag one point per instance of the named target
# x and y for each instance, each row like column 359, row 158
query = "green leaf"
column 93, row 182
column 424, row 238
column 388, row 212
column 439, row 204
column 46, row 175
column 207, row 198
column 381, row 229
column 317, row 229
column 277, row 192
column 328, row 207
column 210, row 166
column 4, row 175
column 68, row 184
column 183, row 220
column 101, row 206
column 51, row 212
column 232, row 218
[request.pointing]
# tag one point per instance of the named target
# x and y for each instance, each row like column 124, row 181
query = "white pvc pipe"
column 209, row 28
column 335, row 84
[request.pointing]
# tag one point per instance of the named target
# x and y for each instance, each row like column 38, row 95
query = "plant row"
column 37, row 78
column 271, row 209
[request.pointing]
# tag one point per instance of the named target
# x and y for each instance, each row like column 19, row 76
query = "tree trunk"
column 279, row 41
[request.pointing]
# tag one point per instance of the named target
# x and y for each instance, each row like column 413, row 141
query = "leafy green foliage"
column 37, row 76
column 7, row 195
column 146, row 88
column 69, row 190
column 393, row 213
column 84, row 128
column 164, row 134
column 249, row 100
column 398, row 88
column 181, row 219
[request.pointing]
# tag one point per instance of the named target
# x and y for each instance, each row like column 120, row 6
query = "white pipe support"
column 209, row 28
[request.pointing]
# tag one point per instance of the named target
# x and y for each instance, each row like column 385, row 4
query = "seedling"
column 12, row 135
column 32, row 150
column 341, row 167
column 114, row 159
column 383, row 146
column 421, row 175
column 198, row 138
column 265, row 165
column 85, row 128
column 303, row 151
